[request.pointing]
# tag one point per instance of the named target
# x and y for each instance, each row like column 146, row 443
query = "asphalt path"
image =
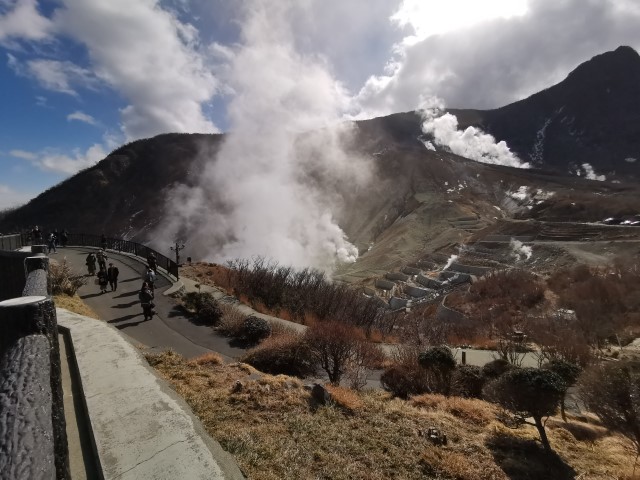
column 171, row 328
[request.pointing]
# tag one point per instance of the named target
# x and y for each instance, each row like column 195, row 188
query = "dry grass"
column 74, row 304
column 275, row 431
column 345, row 398
column 231, row 321
column 470, row 410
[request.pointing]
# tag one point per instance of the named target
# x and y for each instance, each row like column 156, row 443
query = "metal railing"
column 124, row 246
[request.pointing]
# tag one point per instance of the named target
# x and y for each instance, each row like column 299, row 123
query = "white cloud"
column 82, row 117
column 23, row 154
column 53, row 160
column 149, row 57
column 499, row 60
column 10, row 198
column 23, row 21
column 54, row 75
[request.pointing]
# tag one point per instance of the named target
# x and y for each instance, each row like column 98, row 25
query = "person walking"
column 51, row 243
column 112, row 276
column 146, row 301
column 102, row 259
column 64, row 238
column 36, row 236
column 103, row 241
column 150, row 279
column 91, row 263
column 152, row 261
column 102, row 280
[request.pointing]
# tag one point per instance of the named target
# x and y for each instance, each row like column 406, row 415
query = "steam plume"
column 471, row 143
column 274, row 187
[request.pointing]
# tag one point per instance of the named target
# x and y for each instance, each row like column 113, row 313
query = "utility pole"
column 178, row 246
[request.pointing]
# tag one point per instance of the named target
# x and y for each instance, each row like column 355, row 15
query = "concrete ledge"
column 142, row 428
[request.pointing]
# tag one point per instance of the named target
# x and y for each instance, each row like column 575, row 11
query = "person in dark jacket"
column 36, row 236
column 91, row 264
column 112, row 276
column 102, row 280
column 146, row 301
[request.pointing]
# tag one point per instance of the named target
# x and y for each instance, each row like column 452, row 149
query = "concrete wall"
column 396, row 276
column 470, row 269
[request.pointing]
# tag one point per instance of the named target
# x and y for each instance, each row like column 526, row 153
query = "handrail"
column 124, row 246
column 31, row 401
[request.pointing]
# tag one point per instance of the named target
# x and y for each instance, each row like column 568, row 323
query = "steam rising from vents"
column 471, row 143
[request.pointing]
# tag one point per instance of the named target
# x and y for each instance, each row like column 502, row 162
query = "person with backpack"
column 112, row 276
column 152, row 261
column 91, row 264
column 102, row 259
column 103, row 280
column 150, row 278
column 146, row 301
column 51, row 243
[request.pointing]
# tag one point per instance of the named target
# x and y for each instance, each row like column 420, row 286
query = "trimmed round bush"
column 467, row 381
column 255, row 329
column 496, row 368
column 286, row 354
column 404, row 380
column 438, row 358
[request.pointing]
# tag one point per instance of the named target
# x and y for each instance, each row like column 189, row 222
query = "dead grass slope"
column 275, row 430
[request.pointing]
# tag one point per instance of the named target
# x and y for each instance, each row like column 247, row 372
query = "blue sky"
column 80, row 77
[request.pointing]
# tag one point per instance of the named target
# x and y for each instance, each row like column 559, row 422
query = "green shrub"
column 439, row 364
column 405, row 380
column 495, row 368
column 285, row 354
column 467, row 381
column 255, row 329
column 204, row 306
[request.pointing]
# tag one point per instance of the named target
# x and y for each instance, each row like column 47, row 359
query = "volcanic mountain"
column 421, row 200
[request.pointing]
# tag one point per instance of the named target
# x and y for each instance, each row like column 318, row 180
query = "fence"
column 34, row 441
column 12, row 242
column 124, row 246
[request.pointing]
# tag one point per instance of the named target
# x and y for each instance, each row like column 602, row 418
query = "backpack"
column 145, row 296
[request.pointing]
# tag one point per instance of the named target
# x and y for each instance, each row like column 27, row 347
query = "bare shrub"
column 231, row 321
column 302, row 293
column 63, row 280
column 612, row 392
column 205, row 307
column 338, row 348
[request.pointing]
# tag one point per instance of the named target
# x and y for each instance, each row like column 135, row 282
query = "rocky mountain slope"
column 420, row 200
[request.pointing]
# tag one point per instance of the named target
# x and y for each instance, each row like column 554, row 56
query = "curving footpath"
column 141, row 428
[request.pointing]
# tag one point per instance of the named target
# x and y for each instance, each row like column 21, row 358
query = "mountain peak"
column 622, row 61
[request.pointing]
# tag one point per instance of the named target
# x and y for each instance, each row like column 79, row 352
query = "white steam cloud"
column 471, row 143
column 273, row 188
column 450, row 261
column 590, row 173
column 519, row 250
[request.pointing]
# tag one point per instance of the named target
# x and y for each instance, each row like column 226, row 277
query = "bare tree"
column 336, row 347
column 612, row 391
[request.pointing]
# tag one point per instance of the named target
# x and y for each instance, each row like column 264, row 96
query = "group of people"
column 53, row 238
column 109, row 276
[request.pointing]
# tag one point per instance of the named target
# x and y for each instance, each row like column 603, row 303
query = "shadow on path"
column 125, row 305
column 126, row 317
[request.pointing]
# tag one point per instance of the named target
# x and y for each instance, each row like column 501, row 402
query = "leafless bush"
column 232, row 320
column 302, row 292
column 63, row 280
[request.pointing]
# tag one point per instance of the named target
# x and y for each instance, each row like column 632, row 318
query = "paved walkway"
column 170, row 328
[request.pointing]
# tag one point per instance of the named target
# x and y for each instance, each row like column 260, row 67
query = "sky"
column 78, row 78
